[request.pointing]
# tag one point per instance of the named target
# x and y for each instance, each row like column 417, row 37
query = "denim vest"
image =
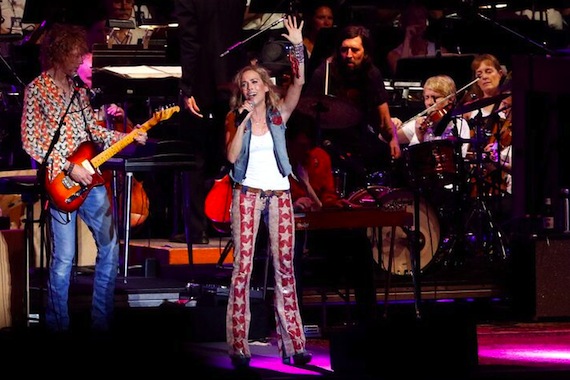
column 277, row 129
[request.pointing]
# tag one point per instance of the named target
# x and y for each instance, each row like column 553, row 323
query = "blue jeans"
column 96, row 212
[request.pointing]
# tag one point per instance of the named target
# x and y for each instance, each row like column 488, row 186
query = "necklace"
column 257, row 122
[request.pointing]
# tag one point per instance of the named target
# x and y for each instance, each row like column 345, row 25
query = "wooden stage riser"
column 201, row 254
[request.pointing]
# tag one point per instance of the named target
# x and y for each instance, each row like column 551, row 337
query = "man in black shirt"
column 350, row 77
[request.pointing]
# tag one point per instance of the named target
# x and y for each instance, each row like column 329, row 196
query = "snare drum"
column 380, row 238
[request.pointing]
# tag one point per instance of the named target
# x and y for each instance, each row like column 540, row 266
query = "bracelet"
column 299, row 52
column 70, row 168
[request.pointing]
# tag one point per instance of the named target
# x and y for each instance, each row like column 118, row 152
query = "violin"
column 435, row 117
column 503, row 130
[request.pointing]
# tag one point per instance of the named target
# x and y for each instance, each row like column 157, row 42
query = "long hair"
column 350, row 32
column 59, row 42
column 271, row 97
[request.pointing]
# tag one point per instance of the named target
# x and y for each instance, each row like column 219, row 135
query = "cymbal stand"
column 487, row 237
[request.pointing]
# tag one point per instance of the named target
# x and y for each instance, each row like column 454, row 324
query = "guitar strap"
column 85, row 120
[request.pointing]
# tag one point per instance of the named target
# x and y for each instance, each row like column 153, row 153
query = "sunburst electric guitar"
column 68, row 195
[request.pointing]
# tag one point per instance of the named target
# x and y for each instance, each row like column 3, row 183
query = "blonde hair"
column 442, row 84
column 272, row 97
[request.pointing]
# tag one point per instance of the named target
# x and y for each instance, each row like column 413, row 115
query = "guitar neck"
column 108, row 153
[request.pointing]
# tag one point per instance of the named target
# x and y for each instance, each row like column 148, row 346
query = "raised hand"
column 294, row 34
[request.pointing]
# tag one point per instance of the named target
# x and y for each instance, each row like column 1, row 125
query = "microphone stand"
column 518, row 35
column 7, row 65
column 239, row 43
column 42, row 171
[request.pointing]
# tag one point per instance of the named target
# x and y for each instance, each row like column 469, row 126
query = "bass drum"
column 380, row 238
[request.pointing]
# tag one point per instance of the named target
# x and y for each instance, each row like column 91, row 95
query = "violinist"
column 491, row 76
column 499, row 148
column 439, row 96
column 492, row 122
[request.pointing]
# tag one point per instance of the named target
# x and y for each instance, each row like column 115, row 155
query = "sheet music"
column 145, row 71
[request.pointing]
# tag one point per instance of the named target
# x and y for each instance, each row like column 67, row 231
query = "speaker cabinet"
column 443, row 345
column 552, row 263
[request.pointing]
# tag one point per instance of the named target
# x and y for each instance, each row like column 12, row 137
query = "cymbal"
column 330, row 112
column 479, row 103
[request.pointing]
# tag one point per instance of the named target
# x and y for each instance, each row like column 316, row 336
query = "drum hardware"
column 485, row 237
column 429, row 232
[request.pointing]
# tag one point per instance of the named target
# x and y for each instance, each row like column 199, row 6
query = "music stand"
column 269, row 6
column 458, row 67
column 37, row 11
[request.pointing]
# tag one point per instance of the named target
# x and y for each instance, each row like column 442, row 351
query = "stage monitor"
column 456, row 66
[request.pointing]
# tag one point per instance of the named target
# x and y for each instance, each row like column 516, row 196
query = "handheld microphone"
column 240, row 117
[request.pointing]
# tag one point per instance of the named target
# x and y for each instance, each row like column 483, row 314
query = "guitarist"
column 54, row 101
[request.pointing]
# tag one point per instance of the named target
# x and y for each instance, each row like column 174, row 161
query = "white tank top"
column 262, row 171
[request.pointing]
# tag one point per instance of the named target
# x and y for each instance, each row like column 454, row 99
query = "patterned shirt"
column 44, row 107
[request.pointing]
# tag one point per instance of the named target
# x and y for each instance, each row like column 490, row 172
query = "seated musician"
column 439, row 95
column 314, row 190
column 126, row 10
column 490, row 122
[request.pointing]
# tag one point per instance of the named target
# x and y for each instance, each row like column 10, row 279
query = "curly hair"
column 272, row 97
column 59, row 43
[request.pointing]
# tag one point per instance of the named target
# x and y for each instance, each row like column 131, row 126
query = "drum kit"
column 448, row 219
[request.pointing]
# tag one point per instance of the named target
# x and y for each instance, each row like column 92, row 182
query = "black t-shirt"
column 363, row 89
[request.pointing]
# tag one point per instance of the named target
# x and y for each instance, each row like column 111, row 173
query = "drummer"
column 439, row 97
column 351, row 76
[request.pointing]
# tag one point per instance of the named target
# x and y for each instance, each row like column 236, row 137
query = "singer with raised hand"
column 260, row 173
column 57, row 120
